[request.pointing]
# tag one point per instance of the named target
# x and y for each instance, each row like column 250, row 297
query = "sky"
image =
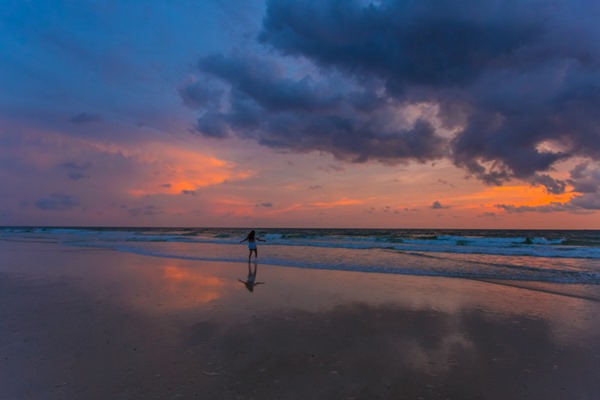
column 300, row 113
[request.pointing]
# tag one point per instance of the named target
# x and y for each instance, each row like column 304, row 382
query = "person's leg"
column 255, row 253
column 249, row 257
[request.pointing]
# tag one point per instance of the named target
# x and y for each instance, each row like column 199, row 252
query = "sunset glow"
column 175, row 287
column 236, row 123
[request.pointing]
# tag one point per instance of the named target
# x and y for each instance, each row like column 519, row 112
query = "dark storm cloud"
column 585, row 180
column 587, row 201
column 307, row 114
column 404, row 43
column 262, row 80
column 518, row 81
column 553, row 186
column 57, row 202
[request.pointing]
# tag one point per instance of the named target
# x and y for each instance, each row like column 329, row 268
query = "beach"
column 96, row 323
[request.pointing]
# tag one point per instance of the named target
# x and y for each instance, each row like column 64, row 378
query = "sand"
column 78, row 323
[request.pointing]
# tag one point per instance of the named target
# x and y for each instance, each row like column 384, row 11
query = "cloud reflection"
column 363, row 351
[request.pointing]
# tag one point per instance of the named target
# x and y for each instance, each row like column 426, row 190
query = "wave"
column 550, row 244
column 407, row 265
column 545, row 256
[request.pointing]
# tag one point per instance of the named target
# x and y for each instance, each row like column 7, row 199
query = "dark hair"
column 251, row 235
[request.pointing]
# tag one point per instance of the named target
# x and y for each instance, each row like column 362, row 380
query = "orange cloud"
column 518, row 195
column 161, row 168
column 336, row 203
column 527, row 195
column 179, row 170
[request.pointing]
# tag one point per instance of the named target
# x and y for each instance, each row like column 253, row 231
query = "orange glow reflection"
column 174, row 287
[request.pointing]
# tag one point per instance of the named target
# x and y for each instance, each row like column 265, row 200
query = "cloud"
column 587, row 201
column 403, row 42
column 147, row 211
column 331, row 168
column 197, row 95
column 266, row 204
column 188, row 192
column 585, row 179
column 438, row 206
column 309, row 113
column 547, row 208
column 86, row 118
column 514, row 86
column 57, row 202
column 76, row 171
column 487, row 215
column 553, row 186
column 337, row 203
column 445, row 182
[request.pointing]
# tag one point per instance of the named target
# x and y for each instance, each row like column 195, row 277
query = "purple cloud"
column 76, row 171
column 147, row 211
column 86, row 118
column 57, row 202
column 518, row 84
column 265, row 204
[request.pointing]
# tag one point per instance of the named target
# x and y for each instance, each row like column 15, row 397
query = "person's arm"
column 261, row 240
column 243, row 240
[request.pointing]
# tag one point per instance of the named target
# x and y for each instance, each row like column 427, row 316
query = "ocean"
column 552, row 256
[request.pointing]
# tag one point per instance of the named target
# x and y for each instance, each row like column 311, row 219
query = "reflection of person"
column 250, row 282
column 252, row 238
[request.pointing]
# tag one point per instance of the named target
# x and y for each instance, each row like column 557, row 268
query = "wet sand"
column 97, row 324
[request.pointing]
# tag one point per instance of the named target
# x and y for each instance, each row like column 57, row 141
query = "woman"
column 251, row 238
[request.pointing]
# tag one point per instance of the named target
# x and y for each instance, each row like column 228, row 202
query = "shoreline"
column 97, row 323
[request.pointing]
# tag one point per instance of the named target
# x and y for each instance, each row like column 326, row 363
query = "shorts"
column 252, row 246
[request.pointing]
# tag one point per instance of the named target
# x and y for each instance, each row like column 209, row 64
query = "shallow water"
column 537, row 256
